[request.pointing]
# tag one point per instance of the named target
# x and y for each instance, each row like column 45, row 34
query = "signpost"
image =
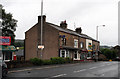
column 4, row 40
column 40, row 46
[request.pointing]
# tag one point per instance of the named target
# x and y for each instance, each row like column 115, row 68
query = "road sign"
column 5, row 40
column 40, row 46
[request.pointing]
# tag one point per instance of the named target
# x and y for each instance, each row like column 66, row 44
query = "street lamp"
column 96, row 58
column 97, row 31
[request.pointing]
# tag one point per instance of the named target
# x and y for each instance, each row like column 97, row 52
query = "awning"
column 7, row 48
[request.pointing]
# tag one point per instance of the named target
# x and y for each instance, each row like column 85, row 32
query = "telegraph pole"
column 41, row 25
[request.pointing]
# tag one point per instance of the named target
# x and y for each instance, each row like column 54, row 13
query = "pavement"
column 91, row 70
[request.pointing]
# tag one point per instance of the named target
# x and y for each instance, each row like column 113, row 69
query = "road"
column 92, row 70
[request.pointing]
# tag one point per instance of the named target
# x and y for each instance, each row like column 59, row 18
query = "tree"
column 110, row 54
column 19, row 44
column 9, row 24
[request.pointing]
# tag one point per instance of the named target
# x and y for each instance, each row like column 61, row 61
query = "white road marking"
column 92, row 67
column 60, row 75
column 80, row 70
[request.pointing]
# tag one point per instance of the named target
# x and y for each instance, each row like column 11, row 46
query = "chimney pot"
column 63, row 24
column 78, row 30
column 39, row 19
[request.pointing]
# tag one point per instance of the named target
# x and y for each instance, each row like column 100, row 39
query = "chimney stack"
column 39, row 19
column 78, row 30
column 63, row 24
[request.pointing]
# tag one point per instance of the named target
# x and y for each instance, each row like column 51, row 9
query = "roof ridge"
column 71, row 32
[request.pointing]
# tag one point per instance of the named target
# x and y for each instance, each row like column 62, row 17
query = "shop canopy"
column 7, row 48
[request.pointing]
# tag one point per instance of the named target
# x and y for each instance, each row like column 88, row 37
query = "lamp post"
column 96, row 58
column 97, row 31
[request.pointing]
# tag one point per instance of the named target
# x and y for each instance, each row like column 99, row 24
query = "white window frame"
column 78, row 56
column 81, row 45
column 75, row 40
column 65, row 53
column 61, row 53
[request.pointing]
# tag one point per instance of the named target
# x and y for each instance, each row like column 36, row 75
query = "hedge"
column 53, row 60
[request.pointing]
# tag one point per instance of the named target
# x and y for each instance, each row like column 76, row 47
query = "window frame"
column 82, row 43
column 76, row 44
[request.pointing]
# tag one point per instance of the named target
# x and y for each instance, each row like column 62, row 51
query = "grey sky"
column 86, row 14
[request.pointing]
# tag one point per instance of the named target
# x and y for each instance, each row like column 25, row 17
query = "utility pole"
column 41, row 24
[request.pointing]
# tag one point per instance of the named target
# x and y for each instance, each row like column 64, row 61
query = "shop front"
column 8, row 53
column 83, row 54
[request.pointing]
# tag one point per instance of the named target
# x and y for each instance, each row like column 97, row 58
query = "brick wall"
column 69, row 39
column 31, row 43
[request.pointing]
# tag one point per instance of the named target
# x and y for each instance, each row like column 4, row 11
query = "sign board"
column 40, row 46
column 5, row 40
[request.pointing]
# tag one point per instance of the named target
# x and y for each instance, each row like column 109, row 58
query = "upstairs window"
column 75, row 43
column 63, row 41
column 89, row 46
column 81, row 45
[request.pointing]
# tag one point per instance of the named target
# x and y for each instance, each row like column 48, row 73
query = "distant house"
column 19, row 44
column 59, row 41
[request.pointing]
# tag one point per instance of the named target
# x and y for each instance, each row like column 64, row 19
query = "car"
column 4, row 68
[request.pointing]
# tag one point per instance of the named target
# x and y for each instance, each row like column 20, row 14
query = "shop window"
column 82, row 56
column 89, row 54
column 75, row 43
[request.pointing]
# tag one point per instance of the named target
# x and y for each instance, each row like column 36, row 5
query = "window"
column 64, row 53
column 89, row 46
column 93, row 46
column 67, row 53
column 63, row 41
column 89, row 54
column 89, row 43
column 81, row 45
column 82, row 56
column 75, row 55
column 75, row 43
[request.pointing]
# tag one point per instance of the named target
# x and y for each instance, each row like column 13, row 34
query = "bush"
column 47, row 62
column 68, row 60
column 36, row 61
column 57, row 60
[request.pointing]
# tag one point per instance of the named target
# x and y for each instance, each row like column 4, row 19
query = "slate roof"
column 71, row 32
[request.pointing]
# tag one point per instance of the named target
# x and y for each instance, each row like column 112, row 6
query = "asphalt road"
column 92, row 70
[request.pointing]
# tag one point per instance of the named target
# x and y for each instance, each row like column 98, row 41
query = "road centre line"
column 59, row 75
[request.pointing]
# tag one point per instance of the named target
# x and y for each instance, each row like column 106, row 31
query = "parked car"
column 4, row 68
